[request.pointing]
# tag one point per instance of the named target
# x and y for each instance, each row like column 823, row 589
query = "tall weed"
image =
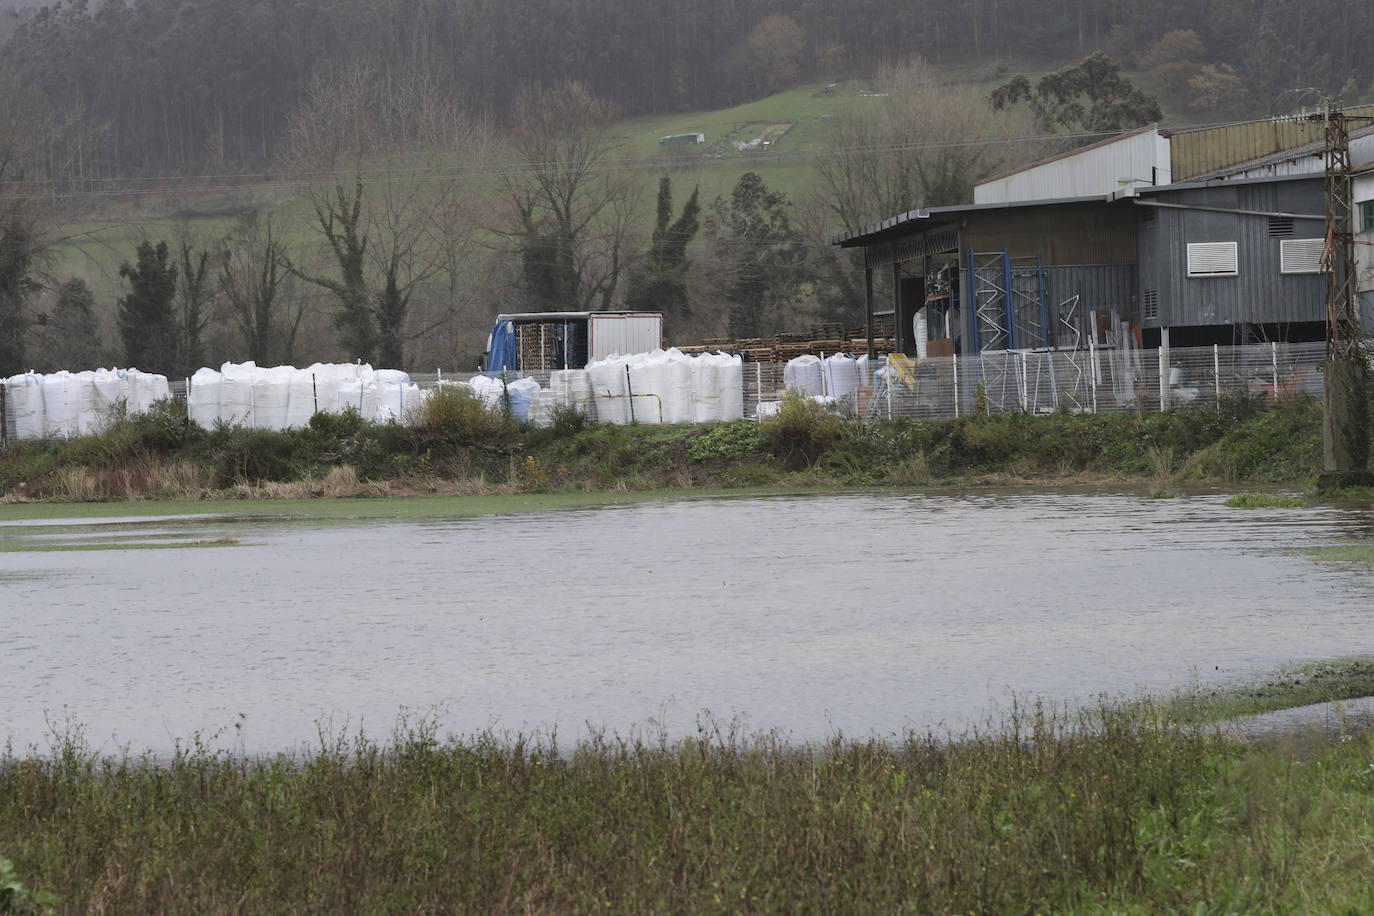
column 801, row 431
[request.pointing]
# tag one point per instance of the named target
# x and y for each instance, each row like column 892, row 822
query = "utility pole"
column 1346, row 417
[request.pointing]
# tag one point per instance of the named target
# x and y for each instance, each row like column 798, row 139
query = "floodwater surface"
column 813, row 616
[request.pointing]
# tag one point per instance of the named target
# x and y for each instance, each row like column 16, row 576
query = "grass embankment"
column 1117, row 809
column 457, row 447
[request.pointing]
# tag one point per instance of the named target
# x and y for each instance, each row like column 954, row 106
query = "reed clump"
column 1115, row 809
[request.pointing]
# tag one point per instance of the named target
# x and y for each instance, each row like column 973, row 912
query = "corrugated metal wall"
column 1259, row 292
column 1197, row 152
column 1098, row 287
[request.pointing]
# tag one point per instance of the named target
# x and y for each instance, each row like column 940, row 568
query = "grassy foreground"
column 1116, row 809
column 458, row 447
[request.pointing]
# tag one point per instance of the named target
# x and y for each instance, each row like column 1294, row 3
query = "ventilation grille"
column 1149, row 310
column 1212, row 259
column 1301, row 256
column 1280, row 227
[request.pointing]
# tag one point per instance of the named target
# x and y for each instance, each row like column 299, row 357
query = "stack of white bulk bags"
column 718, row 387
column 542, row 402
column 572, row 388
column 202, row 398
column 64, row 404
column 396, row 394
column 24, row 405
column 803, row 375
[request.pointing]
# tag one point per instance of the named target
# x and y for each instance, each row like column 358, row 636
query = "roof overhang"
column 941, row 217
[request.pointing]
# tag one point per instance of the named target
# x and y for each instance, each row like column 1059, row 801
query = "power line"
column 301, row 180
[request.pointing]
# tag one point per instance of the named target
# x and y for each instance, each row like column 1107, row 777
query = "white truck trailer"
column 535, row 341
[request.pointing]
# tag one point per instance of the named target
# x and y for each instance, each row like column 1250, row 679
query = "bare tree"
column 570, row 206
column 919, row 145
column 254, row 270
column 402, row 137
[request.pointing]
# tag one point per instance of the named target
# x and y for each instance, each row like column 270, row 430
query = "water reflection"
column 813, row 615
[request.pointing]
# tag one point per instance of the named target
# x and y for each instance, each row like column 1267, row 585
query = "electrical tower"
column 1338, row 256
column 1346, row 417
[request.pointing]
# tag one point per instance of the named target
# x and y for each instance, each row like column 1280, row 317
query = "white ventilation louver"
column 1212, row 259
column 1301, row 256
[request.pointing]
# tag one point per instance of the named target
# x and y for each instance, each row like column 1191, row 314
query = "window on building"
column 1300, row 256
column 1366, row 208
column 1212, row 259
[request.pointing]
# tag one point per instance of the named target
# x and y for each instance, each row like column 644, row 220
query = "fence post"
column 1025, row 377
column 1092, row 371
column 1163, row 379
column 954, row 363
column 1274, row 356
column 1216, row 372
column 887, row 385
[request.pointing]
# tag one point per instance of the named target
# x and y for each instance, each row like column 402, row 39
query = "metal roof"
column 894, row 225
column 906, row 222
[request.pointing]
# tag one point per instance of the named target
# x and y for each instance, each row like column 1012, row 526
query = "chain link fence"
column 1080, row 381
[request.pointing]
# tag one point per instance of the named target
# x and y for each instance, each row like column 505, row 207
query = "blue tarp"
column 502, row 354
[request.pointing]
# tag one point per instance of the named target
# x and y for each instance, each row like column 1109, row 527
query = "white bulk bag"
column 236, row 393
column 271, row 394
column 731, row 381
column 24, row 405
column 59, row 405
column 202, row 398
column 803, row 375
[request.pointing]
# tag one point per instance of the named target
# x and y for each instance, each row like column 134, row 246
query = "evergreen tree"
column 147, row 317
column 661, row 284
column 764, row 255
column 72, row 333
column 18, row 250
column 1090, row 96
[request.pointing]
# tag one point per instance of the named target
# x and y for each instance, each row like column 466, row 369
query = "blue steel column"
column 1010, row 305
column 970, row 297
column 1044, row 311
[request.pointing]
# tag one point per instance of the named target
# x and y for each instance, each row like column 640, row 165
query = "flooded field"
column 811, row 615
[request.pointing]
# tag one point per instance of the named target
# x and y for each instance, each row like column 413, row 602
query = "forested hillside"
column 162, row 85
